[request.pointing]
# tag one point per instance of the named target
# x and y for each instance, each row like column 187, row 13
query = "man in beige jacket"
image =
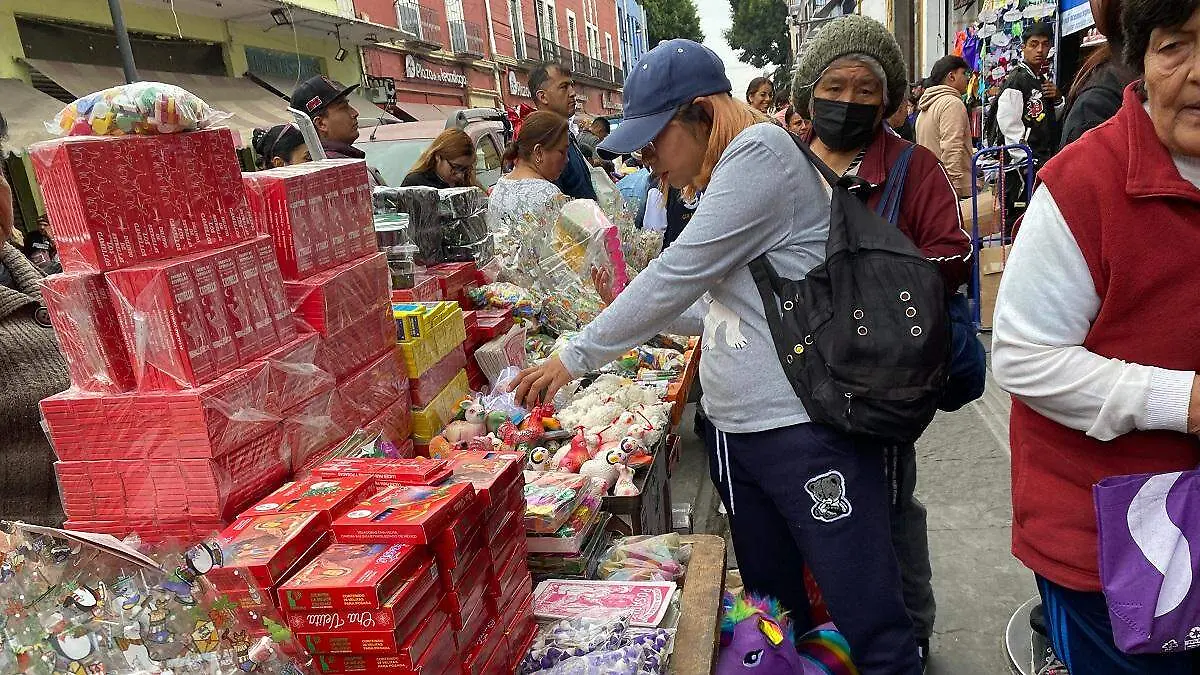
column 943, row 125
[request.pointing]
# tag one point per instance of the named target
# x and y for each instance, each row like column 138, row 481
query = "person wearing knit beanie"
column 851, row 78
column 845, row 36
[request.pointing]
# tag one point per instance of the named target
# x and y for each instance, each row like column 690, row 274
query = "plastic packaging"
column 88, row 332
column 347, row 350
column 121, row 201
column 144, row 108
column 421, row 205
column 550, row 498
column 331, row 301
column 425, row 388
column 294, row 375
column 371, row 390
column 644, row 558
column 317, row 213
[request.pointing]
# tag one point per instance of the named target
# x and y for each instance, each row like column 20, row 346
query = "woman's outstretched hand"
column 539, row 384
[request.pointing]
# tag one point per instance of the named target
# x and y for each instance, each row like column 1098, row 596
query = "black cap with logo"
column 316, row 94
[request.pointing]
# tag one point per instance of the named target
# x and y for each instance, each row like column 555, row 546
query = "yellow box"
column 433, row 418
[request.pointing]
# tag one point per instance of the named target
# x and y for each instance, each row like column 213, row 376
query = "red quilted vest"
column 1137, row 222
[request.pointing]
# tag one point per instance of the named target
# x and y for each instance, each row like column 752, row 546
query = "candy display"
column 645, row 558
column 550, row 499
column 137, row 108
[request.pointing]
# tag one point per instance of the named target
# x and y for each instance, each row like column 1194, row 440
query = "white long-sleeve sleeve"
column 1044, row 311
column 1010, row 111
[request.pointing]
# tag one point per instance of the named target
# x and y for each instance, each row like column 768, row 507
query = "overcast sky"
column 714, row 19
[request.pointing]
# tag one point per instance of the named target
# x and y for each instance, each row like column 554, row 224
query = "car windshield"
column 394, row 159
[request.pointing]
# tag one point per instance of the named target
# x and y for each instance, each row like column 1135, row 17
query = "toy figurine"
column 603, row 468
column 494, row 419
column 625, row 486
column 580, row 451
column 756, row 636
column 635, row 451
column 536, row 459
column 472, row 426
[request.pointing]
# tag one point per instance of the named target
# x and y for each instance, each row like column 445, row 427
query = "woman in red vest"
column 1096, row 329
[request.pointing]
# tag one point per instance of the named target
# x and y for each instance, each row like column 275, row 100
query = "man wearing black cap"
column 335, row 119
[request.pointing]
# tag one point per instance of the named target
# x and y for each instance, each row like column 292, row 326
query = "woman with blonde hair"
column 796, row 492
column 448, row 162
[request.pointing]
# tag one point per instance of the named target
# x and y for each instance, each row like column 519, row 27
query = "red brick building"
column 480, row 52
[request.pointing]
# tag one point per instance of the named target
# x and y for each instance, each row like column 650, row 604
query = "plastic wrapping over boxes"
column 372, row 389
column 202, row 423
column 430, row 420
column 331, row 301
column 421, row 205
column 88, row 332
column 185, row 319
column 118, row 201
column 347, row 350
column 218, row 488
column 317, row 213
column 294, row 375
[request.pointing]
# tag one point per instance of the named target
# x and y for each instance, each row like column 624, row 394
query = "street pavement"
column 963, row 479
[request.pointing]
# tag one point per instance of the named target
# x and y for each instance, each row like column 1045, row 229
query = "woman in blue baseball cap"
column 797, row 492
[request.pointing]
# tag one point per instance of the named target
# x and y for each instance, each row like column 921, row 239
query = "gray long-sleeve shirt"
column 764, row 196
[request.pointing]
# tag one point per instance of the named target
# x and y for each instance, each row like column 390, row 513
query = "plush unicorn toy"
column 756, row 636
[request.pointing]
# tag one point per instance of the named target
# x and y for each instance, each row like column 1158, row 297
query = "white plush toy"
column 603, row 468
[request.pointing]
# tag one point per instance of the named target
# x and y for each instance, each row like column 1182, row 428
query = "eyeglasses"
column 458, row 169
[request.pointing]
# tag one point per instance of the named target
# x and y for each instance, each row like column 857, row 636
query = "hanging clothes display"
column 1000, row 30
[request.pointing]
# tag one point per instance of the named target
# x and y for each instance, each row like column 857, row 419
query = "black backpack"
column 865, row 337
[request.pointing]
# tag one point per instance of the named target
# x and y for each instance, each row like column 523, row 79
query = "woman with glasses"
column 448, row 162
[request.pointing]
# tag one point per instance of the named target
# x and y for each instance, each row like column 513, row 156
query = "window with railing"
column 517, row 23
column 419, row 20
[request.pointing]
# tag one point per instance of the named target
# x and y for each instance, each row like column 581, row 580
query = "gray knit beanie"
column 851, row 34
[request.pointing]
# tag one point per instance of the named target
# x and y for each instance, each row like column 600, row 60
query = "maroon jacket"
column 1134, row 218
column 929, row 213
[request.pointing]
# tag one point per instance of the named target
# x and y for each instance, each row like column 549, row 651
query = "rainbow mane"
column 738, row 608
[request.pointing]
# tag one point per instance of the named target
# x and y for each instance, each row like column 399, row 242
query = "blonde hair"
column 449, row 144
column 729, row 118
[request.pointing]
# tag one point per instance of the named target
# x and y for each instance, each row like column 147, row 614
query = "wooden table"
column 700, row 607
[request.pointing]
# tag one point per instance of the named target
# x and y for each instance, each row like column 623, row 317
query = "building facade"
column 632, row 26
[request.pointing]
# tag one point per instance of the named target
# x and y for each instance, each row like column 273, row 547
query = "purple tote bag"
column 1149, row 528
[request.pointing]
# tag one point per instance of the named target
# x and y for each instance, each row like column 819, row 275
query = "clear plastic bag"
column 421, row 205
column 144, row 108
column 644, row 558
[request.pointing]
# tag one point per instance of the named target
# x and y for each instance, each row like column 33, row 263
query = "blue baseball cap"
column 666, row 78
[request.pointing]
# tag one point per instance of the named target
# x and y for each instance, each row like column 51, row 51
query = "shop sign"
column 1076, row 15
column 516, row 87
column 414, row 69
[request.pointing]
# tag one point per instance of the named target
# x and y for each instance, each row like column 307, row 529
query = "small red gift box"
column 410, row 647
column 333, row 300
column 439, row 659
column 330, row 497
column 374, row 388
column 491, row 477
column 88, row 332
column 410, row 514
column 352, row 577
column 368, row 338
column 294, row 374
column 264, row 547
column 392, row 614
column 416, row 471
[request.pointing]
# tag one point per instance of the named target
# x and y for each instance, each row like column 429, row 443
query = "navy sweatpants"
column 1081, row 632
column 807, row 494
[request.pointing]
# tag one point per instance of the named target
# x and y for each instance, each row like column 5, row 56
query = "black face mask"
column 843, row 126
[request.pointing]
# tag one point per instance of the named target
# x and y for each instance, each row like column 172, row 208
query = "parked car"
column 393, row 149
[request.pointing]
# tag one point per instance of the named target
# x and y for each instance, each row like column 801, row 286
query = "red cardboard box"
column 333, row 300
column 156, row 530
column 393, row 427
column 312, row 426
column 394, row 613
column 491, row 324
column 273, row 291
column 431, row 383
column 352, row 577
column 368, row 338
column 250, row 267
column 470, row 585
column 117, row 201
column 427, row 288
column 205, row 422
column 279, row 202
column 454, row 278
column 88, row 332
column 481, row 651
column 490, row 477
column 249, row 341
column 454, row 571
column 410, row 647
column 328, row 497
column 374, row 388
column 265, row 547
column 439, row 659
column 102, row 490
column 404, row 513
column 418, row 471
column 293, row 373
column 461, row 540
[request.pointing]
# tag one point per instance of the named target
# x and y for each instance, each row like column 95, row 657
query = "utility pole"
column 123, row 45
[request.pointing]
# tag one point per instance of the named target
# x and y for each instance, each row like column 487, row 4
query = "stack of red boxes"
column 455, row 279
column 195, row 390
column 319, row 219
column 426, row 288
column 410, row 586
column 170, row 313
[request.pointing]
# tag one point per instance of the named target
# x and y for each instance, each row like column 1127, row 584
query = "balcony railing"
column 419, row 20
column 539, row 50
column 466, row 38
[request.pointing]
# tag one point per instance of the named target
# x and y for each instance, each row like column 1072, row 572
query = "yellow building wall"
column 141, row 18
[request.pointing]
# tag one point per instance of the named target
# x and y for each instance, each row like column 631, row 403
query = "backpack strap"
column 888, row 207
column 767, row 282
column 823, row 168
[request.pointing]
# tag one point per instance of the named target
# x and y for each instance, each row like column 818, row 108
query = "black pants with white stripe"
column 806, row 494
